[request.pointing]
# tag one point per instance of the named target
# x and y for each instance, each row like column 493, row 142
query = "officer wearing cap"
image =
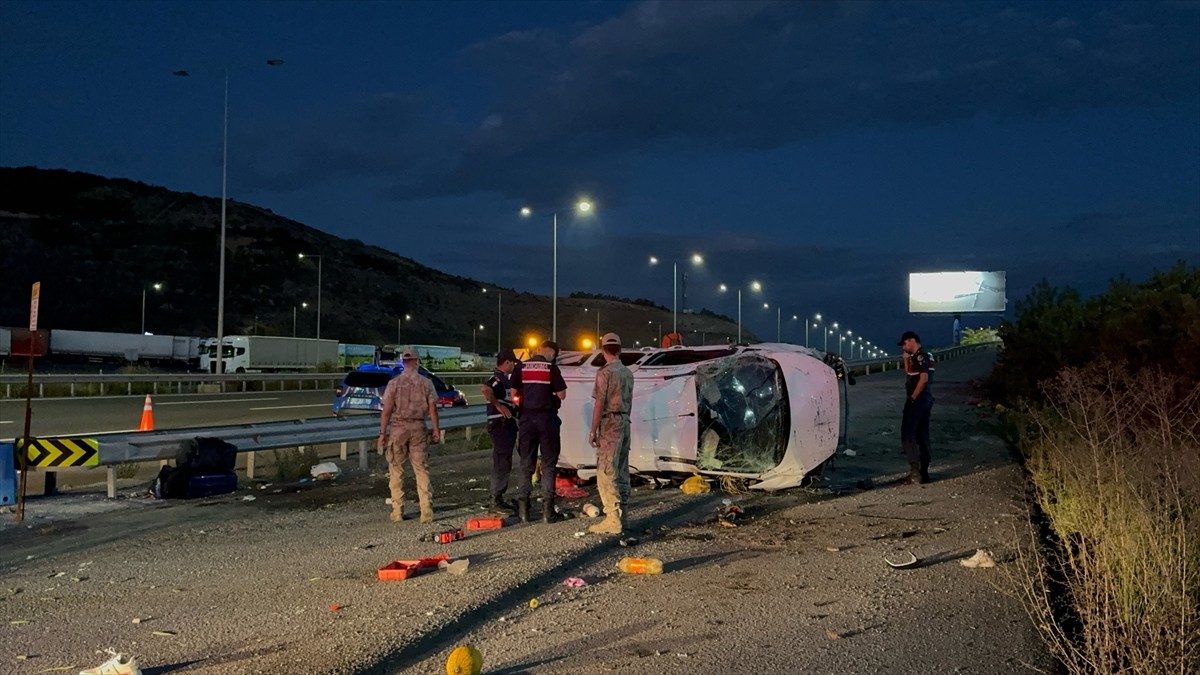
column 540, row 385
column 409, row 397
column 919, row 367
column 501, row 426
column 613, row 394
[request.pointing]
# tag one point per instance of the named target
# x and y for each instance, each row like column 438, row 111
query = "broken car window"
column 743, row 414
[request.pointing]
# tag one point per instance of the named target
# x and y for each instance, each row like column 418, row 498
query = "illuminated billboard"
column 956, row 292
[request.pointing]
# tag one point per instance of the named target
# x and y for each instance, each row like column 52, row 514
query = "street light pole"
column 554, row 303
column 319, row 261
column 221, row 264
column 739, row 316
column 778, row 337
column 156, row 287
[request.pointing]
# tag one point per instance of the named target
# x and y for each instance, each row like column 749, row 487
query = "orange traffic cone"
column 147, row 416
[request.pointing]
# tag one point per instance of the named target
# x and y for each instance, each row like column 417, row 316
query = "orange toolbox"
column 485, row 523
column 399, row 570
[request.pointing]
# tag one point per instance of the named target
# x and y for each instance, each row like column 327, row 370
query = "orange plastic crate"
column 485, row 523
column 399, row 570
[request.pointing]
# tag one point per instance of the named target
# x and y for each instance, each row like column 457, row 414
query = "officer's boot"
column 426, row 512
column 925, row 471
column 549, row 513
column 523, row 509
column 397, row 511
column 613, row 523
column 499, row 505
column 914, row 473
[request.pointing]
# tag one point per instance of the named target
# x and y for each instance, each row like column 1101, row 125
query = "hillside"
column 96, row 242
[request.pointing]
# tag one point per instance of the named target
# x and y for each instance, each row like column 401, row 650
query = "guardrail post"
column 467, row 432
column 154, row 385
column 345, row 444
column 72, row 390
column 250, row 465
column 129, row 388
column 111, row 470
column 362, row 455
column 41, row 391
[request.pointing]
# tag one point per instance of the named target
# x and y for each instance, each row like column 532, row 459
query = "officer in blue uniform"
column 919, row 367
column 540, row 385
column 501, row 426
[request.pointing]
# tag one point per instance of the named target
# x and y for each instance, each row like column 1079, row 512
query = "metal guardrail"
column 116, row 384
column 867, row 366
column 149, row 446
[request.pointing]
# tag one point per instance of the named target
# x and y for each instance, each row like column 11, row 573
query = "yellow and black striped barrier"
column 60, row 452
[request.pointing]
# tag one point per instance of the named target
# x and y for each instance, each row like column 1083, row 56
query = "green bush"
column 1131, row 327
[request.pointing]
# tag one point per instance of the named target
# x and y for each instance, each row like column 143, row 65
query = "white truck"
column 132, row 347
column 264, row 354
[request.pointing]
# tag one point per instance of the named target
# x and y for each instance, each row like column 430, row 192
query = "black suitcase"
column 208, row 484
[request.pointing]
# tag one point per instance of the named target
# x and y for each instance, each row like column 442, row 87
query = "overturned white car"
column 771, row 413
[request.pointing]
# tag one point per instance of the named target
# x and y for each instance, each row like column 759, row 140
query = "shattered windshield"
column 743, row 414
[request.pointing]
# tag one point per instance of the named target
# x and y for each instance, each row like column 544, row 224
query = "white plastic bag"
column 325, row 471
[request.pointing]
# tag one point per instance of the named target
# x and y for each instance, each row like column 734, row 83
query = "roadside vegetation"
column 1104, row 397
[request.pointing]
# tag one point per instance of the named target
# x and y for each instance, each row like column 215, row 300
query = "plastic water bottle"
column 640, row 565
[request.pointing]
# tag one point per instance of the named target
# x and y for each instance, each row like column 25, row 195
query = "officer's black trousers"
column 504, row 439
column 914, row 429
column 539, row 431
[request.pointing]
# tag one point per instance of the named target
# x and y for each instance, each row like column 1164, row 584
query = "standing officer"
column 501, row 426
column 610, row 435
column 542, row 389
column 914, row 427
column 408, row 399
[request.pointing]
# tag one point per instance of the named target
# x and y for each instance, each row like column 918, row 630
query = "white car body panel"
column 665, row 423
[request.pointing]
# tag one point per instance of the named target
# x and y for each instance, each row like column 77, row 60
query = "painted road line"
column 288, row 407
column 232, row 400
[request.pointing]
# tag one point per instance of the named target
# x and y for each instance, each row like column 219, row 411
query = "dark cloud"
column 572, row 111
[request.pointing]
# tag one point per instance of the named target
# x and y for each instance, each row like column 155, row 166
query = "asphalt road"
column 285, row 582
column 102, row 414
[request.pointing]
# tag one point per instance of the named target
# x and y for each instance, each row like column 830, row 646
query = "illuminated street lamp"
column 304, row 305
column 157, row 287
column 585, row 309
column 473, row 331
column 224, row 176
column 309, row 255
column 583, row 207
column 696, row 259
column 754, row 286
column 499, row 311
column 407, row 317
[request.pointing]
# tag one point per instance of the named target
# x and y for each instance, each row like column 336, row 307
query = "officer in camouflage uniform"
column 409, row 397
column 613, row 394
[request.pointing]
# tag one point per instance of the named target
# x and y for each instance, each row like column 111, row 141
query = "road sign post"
column 23, row 457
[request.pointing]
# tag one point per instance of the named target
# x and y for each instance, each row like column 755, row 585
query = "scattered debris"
column 981, row 559
column 591, row 510
column 628, row 541
column 164, row 633
column 533, row 604
column 696, row 485
column 325, row 471
column 249, row 498
column 140, row 619
column 832, row 635
column 457, row 568
column 575, row 582
column 19, row 622
column 464, row 660
column 580, row 534
column 849, row 453
column 832, row 549
column 902, row 561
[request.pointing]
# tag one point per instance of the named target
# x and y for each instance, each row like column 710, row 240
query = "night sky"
column 825, row 149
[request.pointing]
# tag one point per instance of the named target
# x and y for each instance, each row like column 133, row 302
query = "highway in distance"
column 105, row 414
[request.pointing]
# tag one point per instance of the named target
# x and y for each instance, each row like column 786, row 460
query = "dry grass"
column 1115, row 465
